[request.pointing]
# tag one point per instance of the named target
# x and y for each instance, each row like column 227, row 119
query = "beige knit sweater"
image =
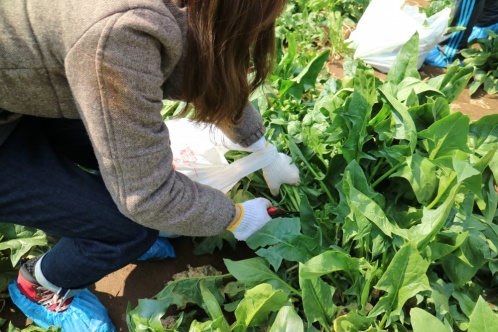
column 111, row 63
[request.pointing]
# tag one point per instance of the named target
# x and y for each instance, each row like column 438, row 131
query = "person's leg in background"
column 42, row 188
column 465, row 14
column 487, row 21
column 489, row 14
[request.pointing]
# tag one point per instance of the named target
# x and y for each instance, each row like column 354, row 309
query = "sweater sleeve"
column 250, row 128
column 115, row 72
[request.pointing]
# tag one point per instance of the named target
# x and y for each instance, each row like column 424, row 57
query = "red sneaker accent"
column 43, row 296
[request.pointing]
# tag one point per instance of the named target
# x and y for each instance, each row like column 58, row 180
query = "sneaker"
column 73, row 310
column 28, row 286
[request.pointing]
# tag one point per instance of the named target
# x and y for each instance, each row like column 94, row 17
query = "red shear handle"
column 272, row 210
column 275, row 212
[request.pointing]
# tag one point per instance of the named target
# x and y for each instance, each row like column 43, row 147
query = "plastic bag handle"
column 226, row 177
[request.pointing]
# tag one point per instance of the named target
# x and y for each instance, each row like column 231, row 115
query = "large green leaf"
column 420, row 172
column 256, row 306
column 462, row 265
column 308, row 220
column 298, row 248
column 456, row 81
column 405, row 63
column 358, row 112
column 483, row 319
column 405, row 128
column 287, row 320
column 490, row 199
column 414, row 85
column 404, row 278
column 446, row 136
column 306, row 78
column 483, row 134
column 469, row 176
column 281, row 239
column 212, row 306
column 274, row 231
column 187, row 290
column 464, row 170
column 255, row 271
column 332, row 261
column 317, row 300
column 20, row 239
column 363, row 206
column 422, row 321
column 207, row 326
column 147, row 315
column 467, row 296
column 352, row 322
column 441, row 293
column 445, row 243
column 432, row 221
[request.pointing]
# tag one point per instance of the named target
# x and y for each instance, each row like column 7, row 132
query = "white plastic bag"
column 198, row 152
column 387, row 25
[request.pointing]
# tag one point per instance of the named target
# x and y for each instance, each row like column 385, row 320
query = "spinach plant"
column 483, row 54
column 397, row 212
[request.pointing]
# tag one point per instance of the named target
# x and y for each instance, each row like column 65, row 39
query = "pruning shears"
column 276, row 212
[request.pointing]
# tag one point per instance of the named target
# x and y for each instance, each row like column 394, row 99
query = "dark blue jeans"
column 41, row 187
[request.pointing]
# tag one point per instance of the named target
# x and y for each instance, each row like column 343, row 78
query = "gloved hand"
column 279, row 172
column 254, row 215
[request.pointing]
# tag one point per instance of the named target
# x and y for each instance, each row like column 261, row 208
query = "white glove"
column 254, row 215
column 279, row 172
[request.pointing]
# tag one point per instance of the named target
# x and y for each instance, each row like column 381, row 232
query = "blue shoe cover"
column 436, row 59
column 85, row 313
column 161, row 249
column 480, row 32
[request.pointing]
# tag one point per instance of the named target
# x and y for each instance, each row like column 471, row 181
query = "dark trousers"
column 41, row 187
column 469, row 13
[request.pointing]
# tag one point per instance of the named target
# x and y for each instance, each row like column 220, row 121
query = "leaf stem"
column 386, row 174
column 295, row 291
column 297, row 198
column 442, row 192
column 376, row 169
column 383, row 321
column 292, row 268
column 320, row 157
column 292, row 197
column 322, row 185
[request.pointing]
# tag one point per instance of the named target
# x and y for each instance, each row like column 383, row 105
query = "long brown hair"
column 227, row 40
